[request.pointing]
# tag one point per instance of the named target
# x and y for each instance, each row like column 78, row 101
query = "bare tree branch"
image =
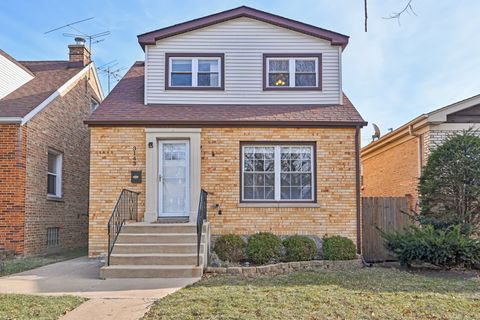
column 366, row 16
column 407, row 9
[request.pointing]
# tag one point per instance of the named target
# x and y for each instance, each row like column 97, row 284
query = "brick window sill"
column 55, row 199
column 278, row 205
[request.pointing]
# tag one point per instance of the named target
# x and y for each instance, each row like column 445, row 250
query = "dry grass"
column 19, row 306
column 369, row 293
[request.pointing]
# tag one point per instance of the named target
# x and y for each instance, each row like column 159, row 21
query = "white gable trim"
column 10, row 119
column 97, row 80
column 440, row 115
column 62, row 90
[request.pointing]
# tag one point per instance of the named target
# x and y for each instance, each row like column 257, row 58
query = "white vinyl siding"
column 243, row 41
column 12, row 77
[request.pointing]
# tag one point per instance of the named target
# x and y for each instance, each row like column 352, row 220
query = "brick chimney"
column 79, row 55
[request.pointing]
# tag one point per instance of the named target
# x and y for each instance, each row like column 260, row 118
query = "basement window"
column 54, row 174
column 53, row 237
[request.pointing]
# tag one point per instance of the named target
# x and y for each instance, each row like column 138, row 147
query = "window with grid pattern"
column 53, row 237
column 277, row 173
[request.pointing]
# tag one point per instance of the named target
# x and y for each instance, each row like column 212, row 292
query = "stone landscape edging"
column 284, row 267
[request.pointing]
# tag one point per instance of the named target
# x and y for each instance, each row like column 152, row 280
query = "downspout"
column 357, row 186
column 411, row 131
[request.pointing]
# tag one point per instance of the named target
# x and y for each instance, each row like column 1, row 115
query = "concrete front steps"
column 164, row 250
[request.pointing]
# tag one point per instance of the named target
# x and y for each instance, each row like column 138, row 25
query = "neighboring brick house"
column 391, row 166
column 243, row 104
column 44, row 151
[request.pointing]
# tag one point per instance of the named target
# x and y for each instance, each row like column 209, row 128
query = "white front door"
column 173, row 178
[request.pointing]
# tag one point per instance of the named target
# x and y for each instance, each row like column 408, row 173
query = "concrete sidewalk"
column 110, row 299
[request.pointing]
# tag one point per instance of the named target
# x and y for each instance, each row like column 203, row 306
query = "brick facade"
column 392, row 171
column 60, row 127
column 25, row 219
column 12, row 187
column 112, row 161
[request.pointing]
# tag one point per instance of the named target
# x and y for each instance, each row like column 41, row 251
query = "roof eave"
column 398, row 133
column 151, row 37
column 259, row 123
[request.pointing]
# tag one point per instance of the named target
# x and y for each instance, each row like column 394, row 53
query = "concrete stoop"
column 166, row 250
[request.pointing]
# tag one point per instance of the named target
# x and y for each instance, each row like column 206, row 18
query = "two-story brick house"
column 244, row 104
column 44, row 151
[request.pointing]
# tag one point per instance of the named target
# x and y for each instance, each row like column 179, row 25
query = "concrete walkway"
column 119, row 299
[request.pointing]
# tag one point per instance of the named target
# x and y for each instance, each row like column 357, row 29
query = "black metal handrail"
column 201, row 216
column 125, row 209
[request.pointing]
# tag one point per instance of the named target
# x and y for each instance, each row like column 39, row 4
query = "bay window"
column 277, row 172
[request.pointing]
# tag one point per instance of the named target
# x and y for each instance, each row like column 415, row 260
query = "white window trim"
column 94, row 101
column 58, row 175
column 277, row 172
column 291, row 71
column 195, row 71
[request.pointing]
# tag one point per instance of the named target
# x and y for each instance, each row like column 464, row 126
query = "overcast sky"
column 392, row 73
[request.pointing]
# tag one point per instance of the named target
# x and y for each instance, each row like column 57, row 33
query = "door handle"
column 160, row 178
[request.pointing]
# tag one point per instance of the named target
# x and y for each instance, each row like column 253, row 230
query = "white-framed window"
column 283, row 172
column 194, row 72
column 93, row 104
column 292, row 72
column 54, row 174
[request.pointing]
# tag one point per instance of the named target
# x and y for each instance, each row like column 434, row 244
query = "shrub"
column 263, row 247
column 338, row 248
column 299, row 248
column 441, row 247
column 450, row 184
column 230, row 247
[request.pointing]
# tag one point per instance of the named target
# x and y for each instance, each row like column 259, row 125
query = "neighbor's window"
column 286, row 72
column 54, row 180
column 53, row 237
column 277, row 173
column 195, row 72
column 93, row 104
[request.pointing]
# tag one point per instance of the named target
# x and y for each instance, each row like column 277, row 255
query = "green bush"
column 230, row 248
column 299, row 248
column 338, row 248
column 445, row 248
column 449, row 187
column 263, row 247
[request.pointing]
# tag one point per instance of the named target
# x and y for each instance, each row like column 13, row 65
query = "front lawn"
column 369, row 293
column 23, row 264
column 19, row 306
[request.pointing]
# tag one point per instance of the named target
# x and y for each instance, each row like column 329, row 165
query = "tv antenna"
column 112, row 72
column 91, row 38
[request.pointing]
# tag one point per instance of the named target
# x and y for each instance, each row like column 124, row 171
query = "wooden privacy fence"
column 387, row 214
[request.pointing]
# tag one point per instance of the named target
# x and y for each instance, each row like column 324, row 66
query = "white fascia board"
column 10, row 119
column 97, row 80
column 440, row 115
column 56, row 94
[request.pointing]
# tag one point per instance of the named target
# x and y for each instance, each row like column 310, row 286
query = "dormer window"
column 287, row 72
column 194, row 71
